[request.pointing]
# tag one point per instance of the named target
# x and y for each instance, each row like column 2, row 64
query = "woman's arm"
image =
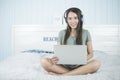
column 89, row 50
column 54, row 59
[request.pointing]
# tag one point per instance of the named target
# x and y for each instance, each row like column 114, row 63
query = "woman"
column 73, row 35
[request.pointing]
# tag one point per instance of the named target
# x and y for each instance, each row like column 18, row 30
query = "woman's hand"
column 54, row 59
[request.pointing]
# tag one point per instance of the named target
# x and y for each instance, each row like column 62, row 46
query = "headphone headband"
column 75, row 10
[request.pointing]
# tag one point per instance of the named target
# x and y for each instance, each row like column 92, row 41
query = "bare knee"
column 45, row 63
column 96, row 65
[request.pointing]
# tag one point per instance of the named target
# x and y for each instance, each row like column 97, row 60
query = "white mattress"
column 26, row 66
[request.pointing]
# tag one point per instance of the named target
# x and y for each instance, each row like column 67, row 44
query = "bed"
column 33, row 42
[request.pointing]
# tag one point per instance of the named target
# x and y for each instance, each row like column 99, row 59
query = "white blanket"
column 26, row 66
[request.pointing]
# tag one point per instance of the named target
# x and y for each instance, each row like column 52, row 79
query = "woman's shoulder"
column 85, row 30
column 62, row 31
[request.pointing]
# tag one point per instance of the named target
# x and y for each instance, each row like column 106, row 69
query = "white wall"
column 15, row 12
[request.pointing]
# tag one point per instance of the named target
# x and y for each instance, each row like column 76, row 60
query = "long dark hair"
column 79, row 26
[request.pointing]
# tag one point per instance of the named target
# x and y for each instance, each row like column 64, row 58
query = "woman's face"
column 72, row 20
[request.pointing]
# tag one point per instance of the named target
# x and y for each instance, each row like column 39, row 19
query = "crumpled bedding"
column 26, row 66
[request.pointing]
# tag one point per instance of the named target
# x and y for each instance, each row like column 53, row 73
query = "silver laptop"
column 71, row 54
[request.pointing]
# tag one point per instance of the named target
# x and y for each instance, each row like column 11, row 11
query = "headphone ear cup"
column 81, row 18
column 65, row 19
column 65, row 16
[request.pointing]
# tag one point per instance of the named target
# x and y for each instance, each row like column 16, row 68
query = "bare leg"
column 50, row 67
column 91, row 67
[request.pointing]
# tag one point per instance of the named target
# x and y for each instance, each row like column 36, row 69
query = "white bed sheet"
column 26, row 66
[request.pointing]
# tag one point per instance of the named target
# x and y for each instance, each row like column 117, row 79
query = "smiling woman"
column 72, row 19
column 73, row 35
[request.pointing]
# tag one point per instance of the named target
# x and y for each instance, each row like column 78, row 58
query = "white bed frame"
column 24, row 37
